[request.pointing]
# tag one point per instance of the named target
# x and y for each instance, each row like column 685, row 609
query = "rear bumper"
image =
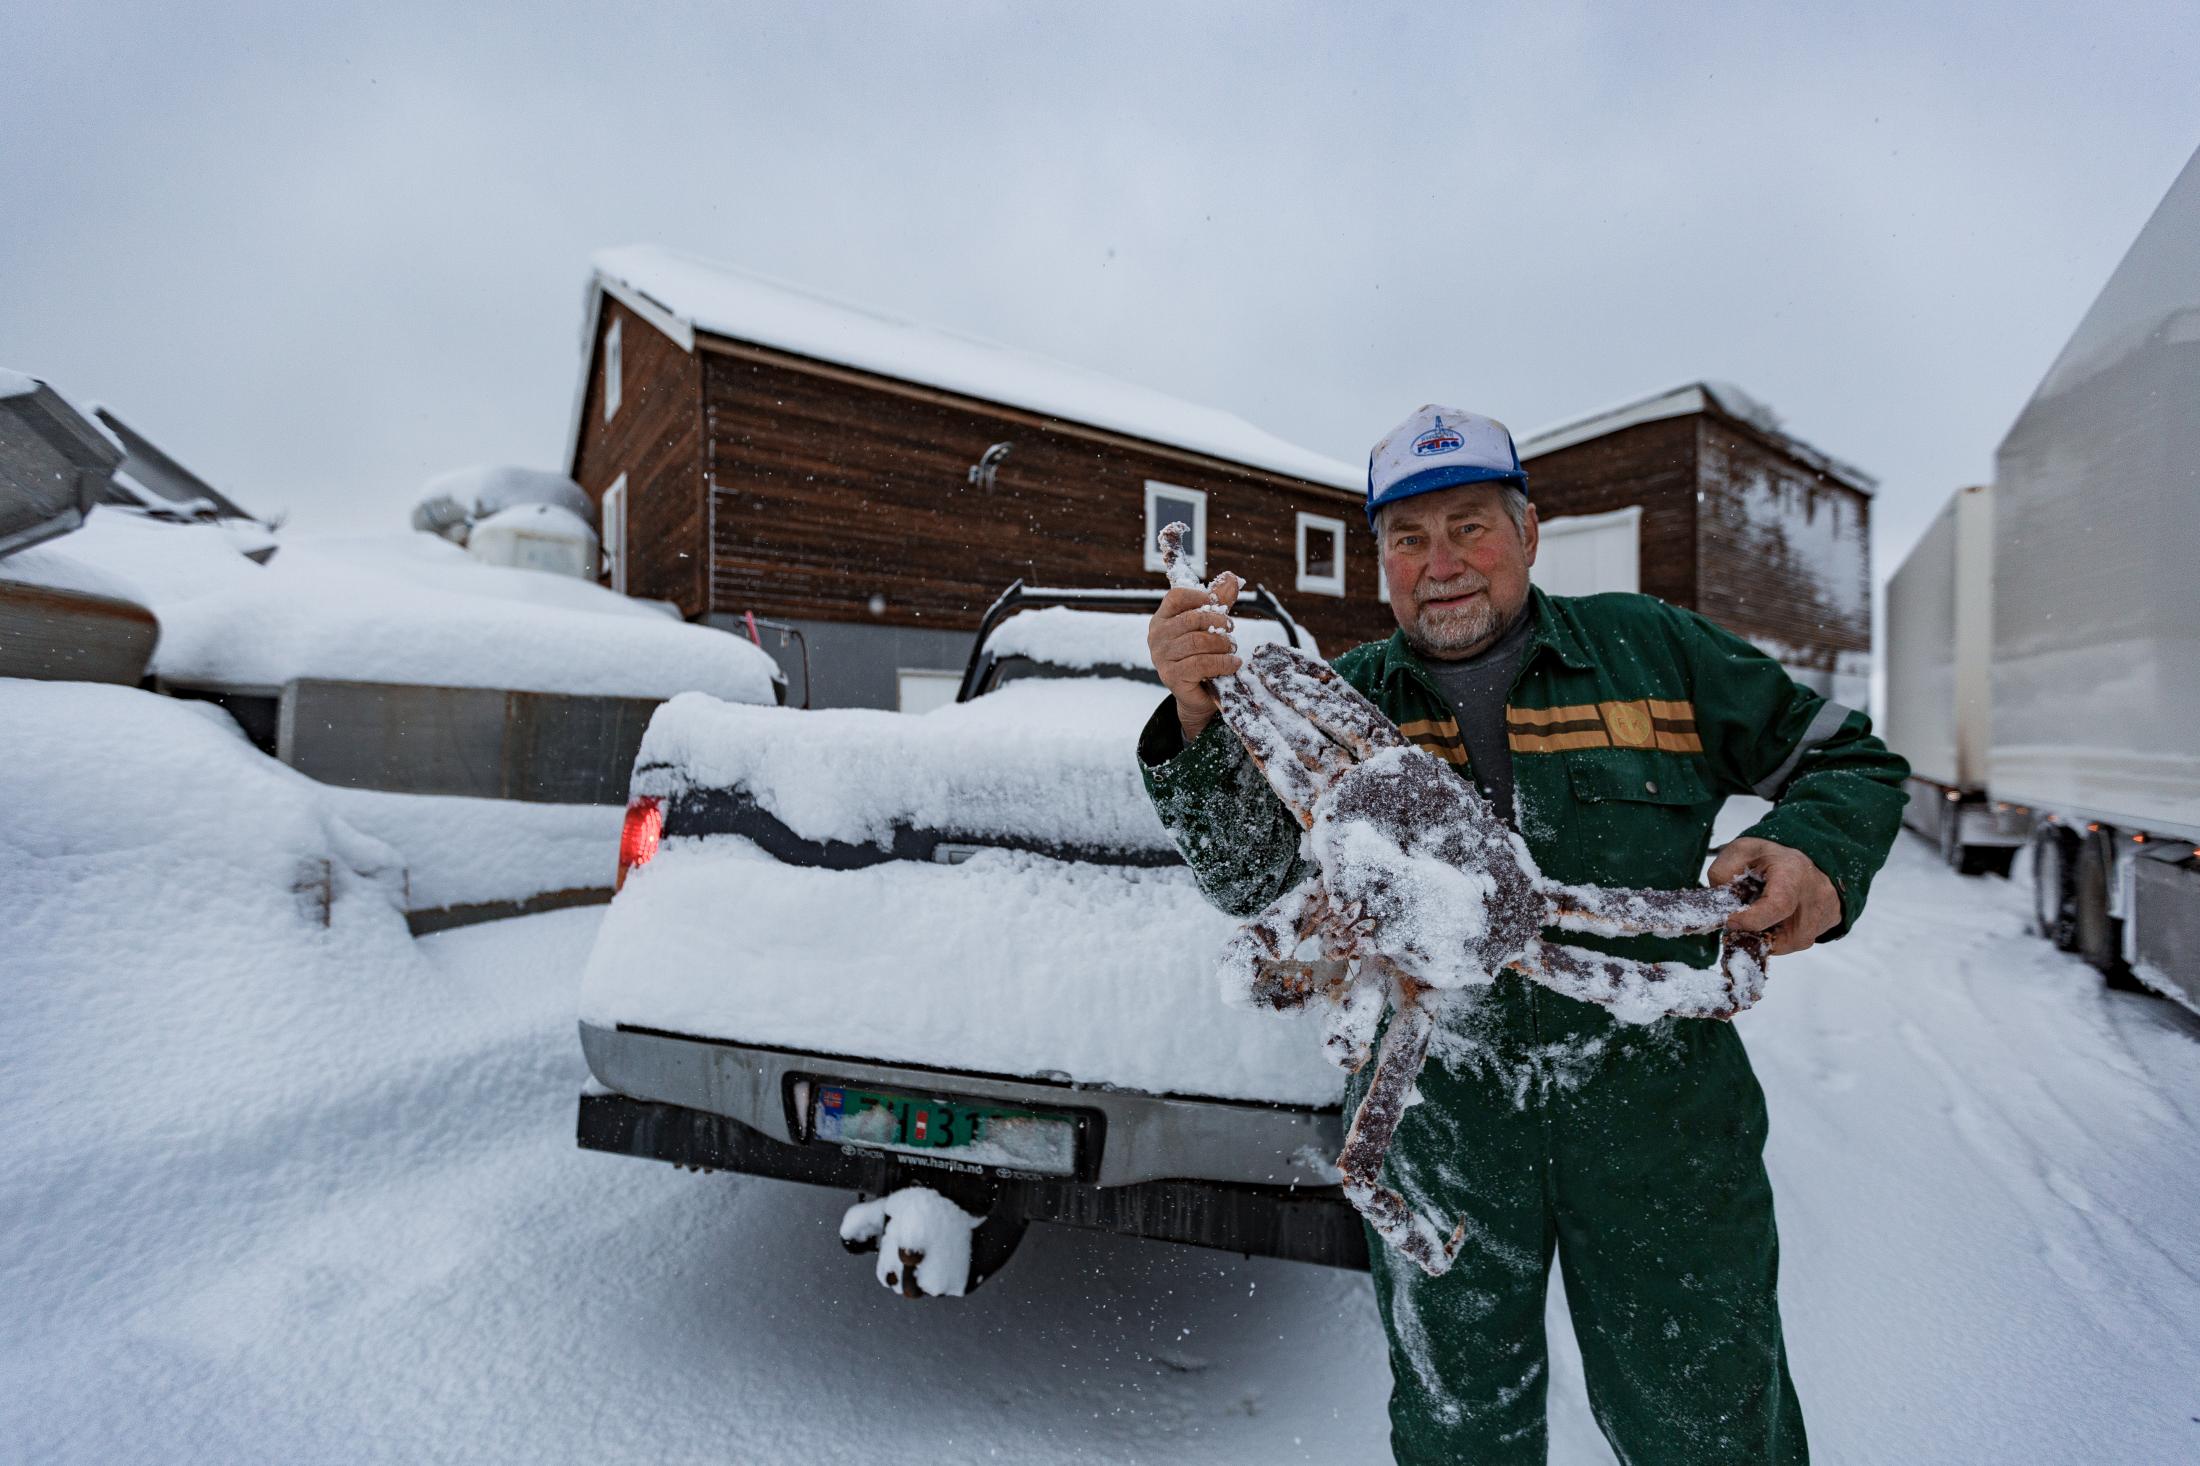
column 1301, row 1225
column 1137, row 1137
column 1244, row 1177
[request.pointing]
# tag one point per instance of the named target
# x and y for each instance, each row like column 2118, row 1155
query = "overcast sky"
column 322, row 254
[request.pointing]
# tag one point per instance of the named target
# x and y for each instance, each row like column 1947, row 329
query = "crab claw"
column 1173, row 559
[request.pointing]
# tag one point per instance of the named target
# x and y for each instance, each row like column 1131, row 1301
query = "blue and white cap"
column 1440, row 448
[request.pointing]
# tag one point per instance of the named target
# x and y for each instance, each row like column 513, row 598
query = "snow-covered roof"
column 1722, row 397
column 404, row 607
column 680, row 295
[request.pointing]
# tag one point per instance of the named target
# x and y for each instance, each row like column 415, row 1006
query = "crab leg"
column 1375, row 1122
column 1641, row 990
column 1290, row 752
column 1605, row 911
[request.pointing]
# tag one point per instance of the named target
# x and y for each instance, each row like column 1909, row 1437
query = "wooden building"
column 1699, row 496
column 756, row 449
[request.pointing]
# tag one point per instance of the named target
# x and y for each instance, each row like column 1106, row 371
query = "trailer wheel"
column 2100, row 936
column 2052, row 913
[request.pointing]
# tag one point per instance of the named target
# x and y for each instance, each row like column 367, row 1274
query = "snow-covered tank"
column 455, row 504
column 537, row 537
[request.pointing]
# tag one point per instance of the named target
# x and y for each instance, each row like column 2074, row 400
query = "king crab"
column 1419, row 887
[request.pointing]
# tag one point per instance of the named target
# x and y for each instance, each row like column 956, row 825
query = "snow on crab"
column 1418, row 887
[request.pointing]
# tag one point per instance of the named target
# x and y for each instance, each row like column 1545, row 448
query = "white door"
column 923, row 689
column 614, row 532
column 1582, row 554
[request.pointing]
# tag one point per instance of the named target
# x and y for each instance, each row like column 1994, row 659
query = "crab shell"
column 1436, row 883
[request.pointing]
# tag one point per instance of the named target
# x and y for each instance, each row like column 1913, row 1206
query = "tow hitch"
column 929, row 1246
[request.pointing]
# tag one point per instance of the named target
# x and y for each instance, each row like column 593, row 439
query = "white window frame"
column 1321, row 585
column 1155, row 488
column 1382, row 577
column 614, row 532
column 614, row 371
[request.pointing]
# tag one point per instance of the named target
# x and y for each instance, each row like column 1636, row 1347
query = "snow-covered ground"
column 281, row 1184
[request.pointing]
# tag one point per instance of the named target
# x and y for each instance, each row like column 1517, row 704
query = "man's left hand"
column 1799, row 904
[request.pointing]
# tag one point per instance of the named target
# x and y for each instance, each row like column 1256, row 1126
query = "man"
column 1608, row 729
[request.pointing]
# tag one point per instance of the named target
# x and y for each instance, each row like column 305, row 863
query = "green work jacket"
column 1630, row 722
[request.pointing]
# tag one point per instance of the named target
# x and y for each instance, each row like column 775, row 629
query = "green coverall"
column 1634, row 1152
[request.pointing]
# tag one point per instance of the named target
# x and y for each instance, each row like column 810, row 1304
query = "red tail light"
column 640, row 835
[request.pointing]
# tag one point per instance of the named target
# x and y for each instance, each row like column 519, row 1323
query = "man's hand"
column 1799, row 903
column 1188, row 645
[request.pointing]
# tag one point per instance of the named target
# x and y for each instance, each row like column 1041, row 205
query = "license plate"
column 968, row 1132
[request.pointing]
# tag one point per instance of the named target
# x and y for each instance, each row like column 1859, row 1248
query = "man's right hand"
column 1189, row 646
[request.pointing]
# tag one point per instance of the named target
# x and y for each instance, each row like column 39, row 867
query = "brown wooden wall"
column 1652, row 464
column 1762, row 545
column 829, row 488
column 655, row 439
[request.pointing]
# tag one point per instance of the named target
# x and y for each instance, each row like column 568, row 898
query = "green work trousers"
column 1635, row 1155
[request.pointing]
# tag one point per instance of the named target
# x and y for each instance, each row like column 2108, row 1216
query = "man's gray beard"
column 1460, row 634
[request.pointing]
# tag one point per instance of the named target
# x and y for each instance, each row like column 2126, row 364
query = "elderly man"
column 1608, row 729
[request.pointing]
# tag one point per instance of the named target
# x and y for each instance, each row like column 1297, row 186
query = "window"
column 613, row 375
column 1321, row 555
column 614, row 533
column 1166, row 504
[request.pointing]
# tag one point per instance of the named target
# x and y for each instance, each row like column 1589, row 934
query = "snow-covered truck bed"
column 871, row 950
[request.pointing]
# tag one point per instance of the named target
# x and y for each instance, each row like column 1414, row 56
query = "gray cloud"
column 324, row 254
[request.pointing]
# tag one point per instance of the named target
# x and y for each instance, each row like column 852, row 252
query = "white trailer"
column 1939, row 707
column 2095, row 663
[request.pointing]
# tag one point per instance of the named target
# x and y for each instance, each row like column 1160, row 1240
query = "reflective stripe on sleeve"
column 1822, row 727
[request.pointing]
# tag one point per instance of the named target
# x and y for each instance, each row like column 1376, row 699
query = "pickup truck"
column 956, row 950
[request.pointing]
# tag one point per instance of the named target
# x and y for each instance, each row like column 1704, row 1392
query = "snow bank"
column 402, row 607
column 175, row 911
column 915, row 1221
column 464, row 852
column 731, row 302
column 1045, row 760
column 1007, row 963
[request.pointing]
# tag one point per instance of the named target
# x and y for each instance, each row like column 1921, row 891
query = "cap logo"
column 1438, row 439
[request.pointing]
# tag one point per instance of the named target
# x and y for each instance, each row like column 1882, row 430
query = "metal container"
column 54, row 463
